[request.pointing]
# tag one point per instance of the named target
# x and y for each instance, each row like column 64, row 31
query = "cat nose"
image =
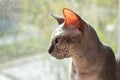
column 50, row 49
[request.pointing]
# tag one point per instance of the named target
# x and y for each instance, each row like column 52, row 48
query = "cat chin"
column 60, row 57
column 57, row 56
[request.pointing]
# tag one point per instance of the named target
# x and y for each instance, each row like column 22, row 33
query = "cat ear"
column 59, row 19
column 71, row 18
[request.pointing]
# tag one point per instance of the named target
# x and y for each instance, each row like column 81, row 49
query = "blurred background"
column 25, row 29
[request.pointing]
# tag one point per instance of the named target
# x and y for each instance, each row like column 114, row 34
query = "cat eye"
column 56, row 40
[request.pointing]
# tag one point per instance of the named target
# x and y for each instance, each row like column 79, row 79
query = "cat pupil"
column 56, row 40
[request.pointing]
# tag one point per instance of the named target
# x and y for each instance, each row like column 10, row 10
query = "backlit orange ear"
column 70, row 17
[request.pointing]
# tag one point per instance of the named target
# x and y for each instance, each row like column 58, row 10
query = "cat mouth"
column 59, row 56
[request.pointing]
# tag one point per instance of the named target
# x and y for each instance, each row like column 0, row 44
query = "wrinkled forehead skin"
column 62, row 30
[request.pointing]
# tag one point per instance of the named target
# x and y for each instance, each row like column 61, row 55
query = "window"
column 25, row 29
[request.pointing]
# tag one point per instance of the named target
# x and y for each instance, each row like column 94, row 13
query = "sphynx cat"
column 91, row 59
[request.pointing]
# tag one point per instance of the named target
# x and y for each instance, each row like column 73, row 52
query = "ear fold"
column 71, row 18
column 59, row 19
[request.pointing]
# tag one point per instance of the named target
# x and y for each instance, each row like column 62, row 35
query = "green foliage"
column 99, row 13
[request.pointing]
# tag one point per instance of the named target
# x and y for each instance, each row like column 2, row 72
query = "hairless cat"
column 91, row 59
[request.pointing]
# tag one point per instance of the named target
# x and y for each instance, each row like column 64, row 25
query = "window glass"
column 25, row 29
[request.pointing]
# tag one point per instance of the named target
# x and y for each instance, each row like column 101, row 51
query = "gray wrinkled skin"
column 91, row 59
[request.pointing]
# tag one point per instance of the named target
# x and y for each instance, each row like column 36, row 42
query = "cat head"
column 71, row 37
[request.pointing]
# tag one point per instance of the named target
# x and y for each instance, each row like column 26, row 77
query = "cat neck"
column 96, row 65
column 87, row 64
